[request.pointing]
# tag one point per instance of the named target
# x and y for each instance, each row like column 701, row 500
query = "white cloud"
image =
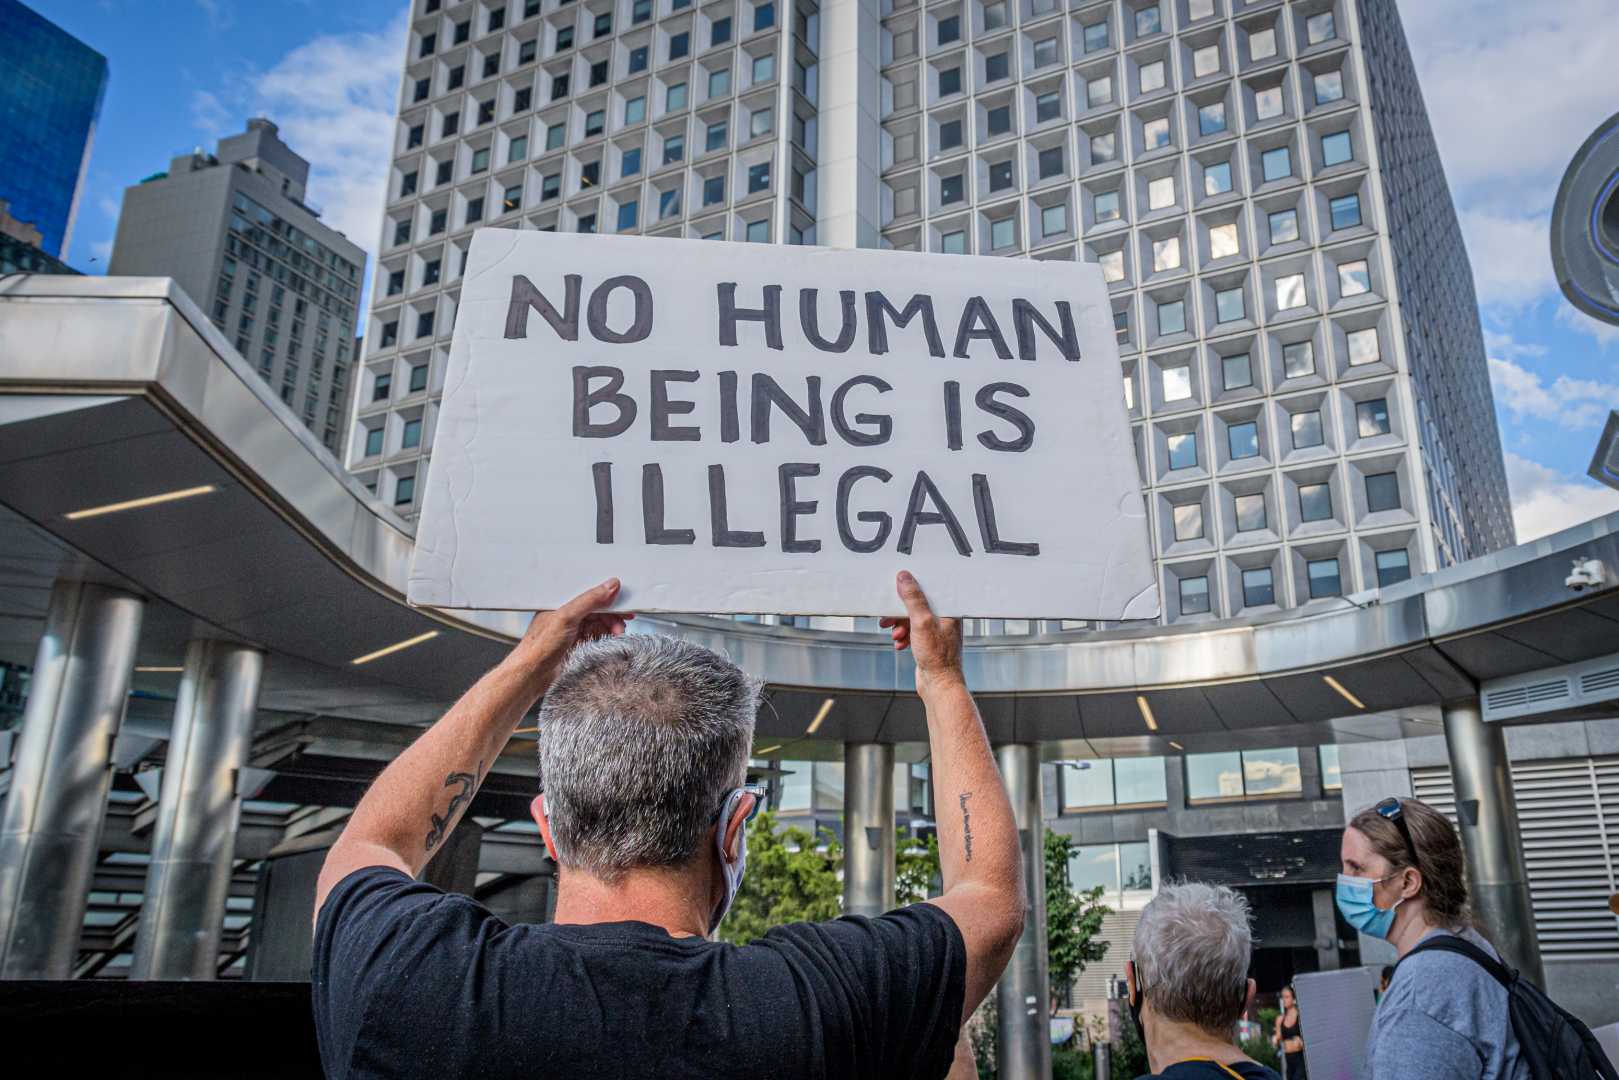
column 334, row 100
column 1511, row 257
column 1575, row 319
column 1545, row 501
column 1569, row 403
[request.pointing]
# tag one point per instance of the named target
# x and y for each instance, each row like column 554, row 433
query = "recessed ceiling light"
column 395, row 647
column 820, row 715
column 158, row 670
column 1347, row 696
column 1146, row 712
column 136, row 504
column 1176, row 745
column 763, row 750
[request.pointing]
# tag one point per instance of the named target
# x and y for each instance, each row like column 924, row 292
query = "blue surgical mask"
column 733, row 871
column 1360, row 910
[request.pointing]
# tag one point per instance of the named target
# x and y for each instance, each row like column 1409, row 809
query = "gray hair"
column 1191, row 952
column 640, row 738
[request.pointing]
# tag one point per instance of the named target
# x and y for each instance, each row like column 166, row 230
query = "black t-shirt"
column 1213, row 1070
column 412, row 981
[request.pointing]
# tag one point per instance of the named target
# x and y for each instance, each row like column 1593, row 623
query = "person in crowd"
column 1188, row 983
column 1442, row 1016
column 1289, row 1037
column 644, row 750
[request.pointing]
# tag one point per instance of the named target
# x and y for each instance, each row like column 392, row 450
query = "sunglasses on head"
column 1391, row 809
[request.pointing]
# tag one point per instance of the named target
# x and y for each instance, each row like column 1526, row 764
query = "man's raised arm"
column 420, row 797
column 978, row 842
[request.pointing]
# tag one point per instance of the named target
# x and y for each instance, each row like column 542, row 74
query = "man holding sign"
column 643, row 754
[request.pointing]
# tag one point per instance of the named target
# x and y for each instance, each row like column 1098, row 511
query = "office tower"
column 1301, row 353
column 51, row 86
column 234, row 229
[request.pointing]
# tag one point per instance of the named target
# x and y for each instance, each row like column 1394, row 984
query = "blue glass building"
column 51, row 86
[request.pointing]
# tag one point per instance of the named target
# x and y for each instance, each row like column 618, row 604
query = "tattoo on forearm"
column 468, row 783
column 966, row 825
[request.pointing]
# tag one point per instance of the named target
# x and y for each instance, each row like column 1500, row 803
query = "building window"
column 590, row 174
column 669, row 203
column 1393, row 567
column 555, row 135
column 713, row 190
column 1224, row 242
column 381, row 388
column 1258, row 588
column 952, row 189
column 758, row 232
column 412, row 436
column 1336, row 149
column 1103, row 148
column 1233, row 775
column 1002, row 233
column 517, row 149
column 1114, row 783
column 1155, row 133
column 1106, row 206
column 396, row 282
column 1172, row 318
column 1306, row 429
column 1151, row 76
column 1329, row 87
column 1000, row 120
column 550, row 186
column 1045, row 53
column 758, row 177
column 630, row 163
column 564, row 39
column 675, row 99
column 1242, row 440
column 418, row 378
column 674, row 149
column 1332, row 777
column 480, row 160
column 1051, row 162
column 1363, row 347
column 1345, row 212
column 1217, row 178
column 559, row 87
column 1096, row 36
column 404, row 490
column 949, row 134
column 1298, row 359
column 1382, row 492
column 1166, row 254
column 1290, row 292
column 587, row 223
column 1323, row 578
column 949, row 29
column 1188, row 519
column 491, row 65
column 719, row 83
column 1194, row 595
column 1112, row 264
column 1251, row 515
column 422, row 89
column 1099, row 92
column 1148, row 21
column 1229, row 305
column 1177, row 382
column 407, row 184
column 1319, row 28
column 679, row 45
column 429, row 43
column 1236, row 371
column 603, row 25
column 1182, row 448
column 1268, row 103
column 953, row 243
column 1211, row 118
column 424, row 324
column 450, row 125
column 628, row 212
column 1315, row 502
column 1276, row 164
column 527, row 51
column 437, row 222
column 1161, row 193
column 716, row 137
column 1354, row 278
column 443, row 172
column 1262, row 44
column 595, row 122
column 1205, row 61
column 1047, row 106
column 1053, row 220
column 641, row 11
column 635, row 110
column 1000, row 176
column 996, row 67
column 720, row 33
column 638, row 59
column 1372, row 418
column 373, row 442
column 413, row 138
column 390, row 333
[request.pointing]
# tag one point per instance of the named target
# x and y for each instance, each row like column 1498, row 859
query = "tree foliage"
column 1073, row 920
column 791, row 877
column 916, row 868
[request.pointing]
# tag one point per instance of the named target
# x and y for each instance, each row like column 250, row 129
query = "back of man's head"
column 640, row 739
column 1191, row 952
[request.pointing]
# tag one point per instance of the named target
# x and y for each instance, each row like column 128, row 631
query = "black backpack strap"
column 1452, row 944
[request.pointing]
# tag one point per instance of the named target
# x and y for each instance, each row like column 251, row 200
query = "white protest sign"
column 737, row 428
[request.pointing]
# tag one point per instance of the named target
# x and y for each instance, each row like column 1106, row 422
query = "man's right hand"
column 935, row 642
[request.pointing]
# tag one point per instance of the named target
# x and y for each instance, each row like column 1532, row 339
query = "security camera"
column 1587, row 574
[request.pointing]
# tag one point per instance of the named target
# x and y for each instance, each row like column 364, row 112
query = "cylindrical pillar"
column 194, row 840
column 59, row 783
column 1023, row 994
column 868, row 828
column 1486, row 809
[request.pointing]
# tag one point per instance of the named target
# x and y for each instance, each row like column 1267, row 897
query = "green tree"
column 791, row 876
column 1073, row 920
column 916, row 867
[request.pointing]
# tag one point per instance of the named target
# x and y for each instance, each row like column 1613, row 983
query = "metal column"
column 194, row 841
column 52, row 819
column 1497, row 880
column 868, row 828
column 1023, row 994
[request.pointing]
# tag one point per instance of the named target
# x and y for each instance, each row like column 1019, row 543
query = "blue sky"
column 1512, row 88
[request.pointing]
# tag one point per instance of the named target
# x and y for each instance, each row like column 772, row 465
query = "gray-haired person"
column 1189, row 985
column 644, row 751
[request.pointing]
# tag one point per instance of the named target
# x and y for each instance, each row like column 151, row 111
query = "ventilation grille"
column 1567, row 812
column 1590, row 682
